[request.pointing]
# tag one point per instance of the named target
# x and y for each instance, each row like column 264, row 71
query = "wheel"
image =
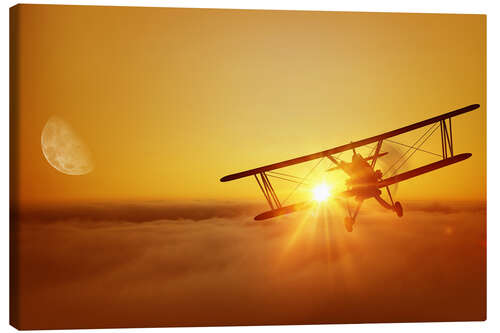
column 398, row 208
column 348, row 222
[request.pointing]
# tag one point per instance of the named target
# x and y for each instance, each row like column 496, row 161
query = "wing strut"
column 268, row 191
column 446, row 138
column 377, row 151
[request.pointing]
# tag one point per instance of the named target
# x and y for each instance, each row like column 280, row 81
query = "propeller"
column 386, row 164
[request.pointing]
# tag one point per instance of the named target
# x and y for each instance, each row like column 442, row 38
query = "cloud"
column 146, row 211
column 208, row 266
column 449, row 208
column 143, row 211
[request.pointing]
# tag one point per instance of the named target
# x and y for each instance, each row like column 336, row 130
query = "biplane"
column 364, row 181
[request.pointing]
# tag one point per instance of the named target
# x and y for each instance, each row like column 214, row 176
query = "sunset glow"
column 247, row 160
column 321, row 192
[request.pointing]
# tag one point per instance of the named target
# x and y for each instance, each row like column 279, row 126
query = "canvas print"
column 210, row 167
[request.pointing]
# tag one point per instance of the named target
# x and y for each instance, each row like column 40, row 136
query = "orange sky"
column 170, row 100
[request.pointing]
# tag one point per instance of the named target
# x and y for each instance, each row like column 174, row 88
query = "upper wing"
column 349, row 146
column 424, row 169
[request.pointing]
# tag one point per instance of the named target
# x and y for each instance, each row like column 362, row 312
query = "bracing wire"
column 406, row 160
column 284, row 174
column 433, row 128
column 290, row 180
column 407, row 146
column 305, row 178
column 301, row 180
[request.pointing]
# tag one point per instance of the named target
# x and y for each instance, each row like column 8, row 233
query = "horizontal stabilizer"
column 283, row 210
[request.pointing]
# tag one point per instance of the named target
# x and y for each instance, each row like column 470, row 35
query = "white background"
column 490, row 8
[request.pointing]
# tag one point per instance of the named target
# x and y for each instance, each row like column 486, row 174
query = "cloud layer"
column 152, row 264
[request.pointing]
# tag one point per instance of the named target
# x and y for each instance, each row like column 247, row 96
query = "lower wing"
column 424, row 169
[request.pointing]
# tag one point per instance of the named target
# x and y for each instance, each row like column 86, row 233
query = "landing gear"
column 398, row 209
column 396, row 206
column 348, row 223
column 349, row 220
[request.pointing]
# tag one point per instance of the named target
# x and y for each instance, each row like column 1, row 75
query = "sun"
column 321, row 192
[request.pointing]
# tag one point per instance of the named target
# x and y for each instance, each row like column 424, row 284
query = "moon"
column 64, row 149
